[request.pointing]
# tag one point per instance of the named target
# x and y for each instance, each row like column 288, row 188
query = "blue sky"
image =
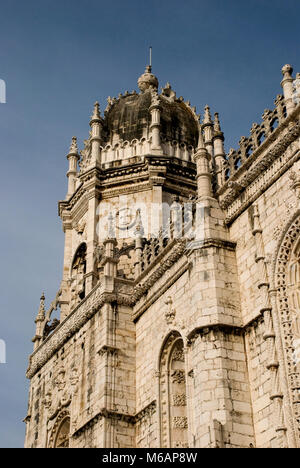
column 57, row 58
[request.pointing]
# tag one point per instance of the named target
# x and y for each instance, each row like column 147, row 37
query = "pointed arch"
column 172, row 393
column 60, row 434
column 286, row 281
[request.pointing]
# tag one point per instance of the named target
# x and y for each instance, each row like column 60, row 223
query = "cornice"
column 286, row 126
column 111, row 181
column 162, row 263
column 262, row 182
column 259, row 162
column 109, row 414
column 215, row 327
column 157, row 294
column 225, row 328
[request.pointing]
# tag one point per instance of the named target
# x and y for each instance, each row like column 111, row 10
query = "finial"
column 148, row 79
column 287, row 70
column 217, row 126
column 168, row 91
column 41, row 312
column 200, row 139
column 139, row 230
column 73, row 147
column 111, row 227
column 96, row 112
column 207, row 116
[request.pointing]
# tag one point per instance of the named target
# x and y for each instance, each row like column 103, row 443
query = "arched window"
column 63, row 434
column 174, row 421
column 77, row 275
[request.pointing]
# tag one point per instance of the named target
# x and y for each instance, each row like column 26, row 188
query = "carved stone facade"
column 179, row 306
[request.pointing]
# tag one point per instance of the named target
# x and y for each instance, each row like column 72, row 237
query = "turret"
column 287, row 86
column 96, row 128
column 155, row 110
column 201, row 158
column 219, row 153
column 73, row 158
column 40, row 318
column 110, row 261
column 208, row 130
column 139, row 232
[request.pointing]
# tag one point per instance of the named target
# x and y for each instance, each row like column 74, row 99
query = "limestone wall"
column 79, row 381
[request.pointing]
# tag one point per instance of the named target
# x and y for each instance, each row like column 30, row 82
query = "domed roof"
column 128, row 117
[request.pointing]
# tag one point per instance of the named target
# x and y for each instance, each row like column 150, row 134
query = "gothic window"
column 63, row 434
column 77, row 275
column 174, row 421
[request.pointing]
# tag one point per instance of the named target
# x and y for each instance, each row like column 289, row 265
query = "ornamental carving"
column 60, row 433
column 59, row 395
column 172, row 386
column 287, row 212
column 170, row 312
column 179, row 399
column 178, row 376
column 180, row 422
column 180, row 444
column 287, row 277
column 178, row 355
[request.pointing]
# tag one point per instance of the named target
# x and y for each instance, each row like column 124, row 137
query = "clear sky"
column 57, row 58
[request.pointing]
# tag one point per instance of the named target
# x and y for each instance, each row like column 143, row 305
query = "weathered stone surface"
column 178, row 341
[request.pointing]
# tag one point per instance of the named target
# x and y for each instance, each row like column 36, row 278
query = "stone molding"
column 104, row 413
column 216, row 327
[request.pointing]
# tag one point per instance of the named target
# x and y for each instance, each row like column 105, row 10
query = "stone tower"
column 179, row 302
